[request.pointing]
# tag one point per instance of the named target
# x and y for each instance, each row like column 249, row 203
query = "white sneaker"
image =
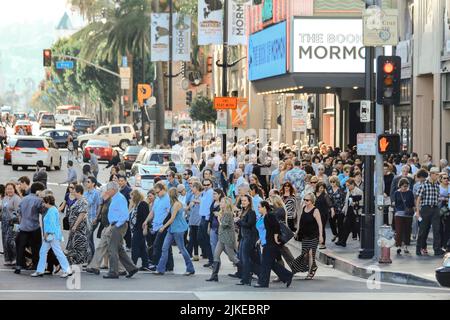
column 65, row 275
column 37, row 274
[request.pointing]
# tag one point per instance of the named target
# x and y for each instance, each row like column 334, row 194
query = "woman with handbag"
column 404, row 211
column 310, row 233
column 10, row 206
column 279, row 210
column 52, row 239
column 325, row 205
column 269, row 235
column 227, row 237
column 139, row 211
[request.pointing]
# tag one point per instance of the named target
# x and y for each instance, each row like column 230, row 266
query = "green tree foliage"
column 202, row 110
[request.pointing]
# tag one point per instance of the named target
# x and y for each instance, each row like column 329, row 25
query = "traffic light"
column 189, row 98
column 389, row 144
column 388, row 80
column 47, row 57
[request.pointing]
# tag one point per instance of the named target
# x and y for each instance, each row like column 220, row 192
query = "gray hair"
column 112, row 185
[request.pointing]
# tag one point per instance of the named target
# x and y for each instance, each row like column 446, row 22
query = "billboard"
column 328, row 46
column 267, row 52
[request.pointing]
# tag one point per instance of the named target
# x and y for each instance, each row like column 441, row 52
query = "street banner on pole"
column 182, row 37
column 210, row 22
column 239, row 115
column 237, row 24
column 222, row 121
column 168, row 120
column 159, row 33
column 299, row 115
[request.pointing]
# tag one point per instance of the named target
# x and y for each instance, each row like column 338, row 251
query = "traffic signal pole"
column 225, row 66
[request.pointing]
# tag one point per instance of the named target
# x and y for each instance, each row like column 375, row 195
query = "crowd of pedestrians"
column 247, row 204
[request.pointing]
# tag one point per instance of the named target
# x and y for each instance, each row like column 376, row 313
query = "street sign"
column 125, row 73
column 240, row 114
column 144, row 92
column 380, row 28
column 364, row 111
column 225, row 103
column 367, row 144
column 125, row 83
column 64, row 65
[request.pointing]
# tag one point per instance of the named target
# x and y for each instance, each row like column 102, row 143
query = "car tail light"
column 138, row 181
column 42, row 149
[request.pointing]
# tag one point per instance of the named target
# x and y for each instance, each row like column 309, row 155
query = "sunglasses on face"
column 307, row 200
column 206, row 185
column 71, row 188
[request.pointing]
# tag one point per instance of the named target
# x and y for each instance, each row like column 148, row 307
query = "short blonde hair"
column 334, row 179
column 311, row 196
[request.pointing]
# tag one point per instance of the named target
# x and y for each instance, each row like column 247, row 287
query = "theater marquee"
column 327, row 46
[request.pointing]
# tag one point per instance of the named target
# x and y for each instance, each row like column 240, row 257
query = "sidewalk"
column 405, row 269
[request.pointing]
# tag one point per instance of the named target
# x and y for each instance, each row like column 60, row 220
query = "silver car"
column 47, row 121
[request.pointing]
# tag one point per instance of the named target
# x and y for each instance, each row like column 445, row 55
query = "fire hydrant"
column 386, row 242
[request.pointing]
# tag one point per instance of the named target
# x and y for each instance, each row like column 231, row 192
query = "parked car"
column 26, row 125
column 152, row 163
column 117, row 135
column 8, row 148
column 81, row 125
column 102, row 149
column 130, row 155
column 47, row 121
column 60, row 136
column 28, row 150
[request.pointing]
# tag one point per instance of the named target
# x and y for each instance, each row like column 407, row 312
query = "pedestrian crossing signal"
column 389, row 144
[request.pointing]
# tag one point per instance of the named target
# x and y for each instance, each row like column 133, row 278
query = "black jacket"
column 247, row 226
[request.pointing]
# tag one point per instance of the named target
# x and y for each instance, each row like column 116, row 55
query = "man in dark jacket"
column 125, row 190
column 40, row 175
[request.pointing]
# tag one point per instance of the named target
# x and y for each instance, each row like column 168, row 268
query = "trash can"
column 443, row 273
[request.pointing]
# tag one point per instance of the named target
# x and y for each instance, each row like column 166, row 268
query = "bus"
column 67, row 114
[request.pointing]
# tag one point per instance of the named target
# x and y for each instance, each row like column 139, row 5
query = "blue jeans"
column 213, row 239
column 91, row 231
column 55, row 245
column 204, row 240
column 179, row 240
column 246, row 248
column 157, row 250
column 139, row 248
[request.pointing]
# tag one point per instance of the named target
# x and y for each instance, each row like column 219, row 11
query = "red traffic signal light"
column 47, row 58
column 388, row 80
column 389, row 143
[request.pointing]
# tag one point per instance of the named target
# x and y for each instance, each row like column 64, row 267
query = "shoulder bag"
column 286, row 233
column 409, row 211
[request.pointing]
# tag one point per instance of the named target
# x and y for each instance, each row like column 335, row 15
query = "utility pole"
column 225, row 66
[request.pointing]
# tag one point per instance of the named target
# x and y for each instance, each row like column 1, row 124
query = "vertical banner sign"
column 222, row 120
column 210, row 22
column 240, row 114
column 299, row 115
column 182, row 37
column 267, row 12
column 237, row 22
column 159, row 33
column 168, row 120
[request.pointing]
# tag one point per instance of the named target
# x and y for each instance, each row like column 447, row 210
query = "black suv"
column 81, row 125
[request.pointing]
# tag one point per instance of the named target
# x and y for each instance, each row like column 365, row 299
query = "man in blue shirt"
column 296, row 177
column 186, row 176
column 171, row 181
column 94, row 200
column 160, row 213
column 206, row 201
column 118, row 218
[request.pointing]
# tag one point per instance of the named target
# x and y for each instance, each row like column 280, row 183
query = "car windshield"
column 133, row 149
column 97, row 143
column 163, row 158
column 30, row 144
column 83, row 122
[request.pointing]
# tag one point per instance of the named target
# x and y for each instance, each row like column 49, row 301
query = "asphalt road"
column 328, row 283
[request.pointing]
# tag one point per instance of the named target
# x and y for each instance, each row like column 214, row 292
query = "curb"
column 329, row 258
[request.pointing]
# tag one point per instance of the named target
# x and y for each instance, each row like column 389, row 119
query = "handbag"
column 409, row 211
column 445, row 211
column 286, row 233
column 66, row 225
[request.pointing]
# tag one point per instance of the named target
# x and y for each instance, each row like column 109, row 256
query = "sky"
column 20, row 11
